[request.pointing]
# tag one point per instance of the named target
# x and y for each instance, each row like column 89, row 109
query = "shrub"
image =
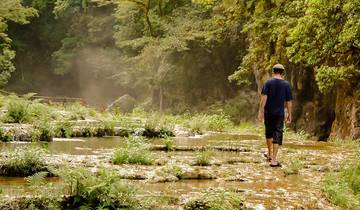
column 215, row 198
column 203, row 158
column 17, row 110
column 343, row 188
column 218, row 122
column 23, row 161
column 134, row 151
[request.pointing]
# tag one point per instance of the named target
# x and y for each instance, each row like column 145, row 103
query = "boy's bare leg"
column 275, row 151
column 270, row 147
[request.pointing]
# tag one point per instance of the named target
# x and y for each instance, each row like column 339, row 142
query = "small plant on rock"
column 169, row 144
column 134, row 151
column 293, row 166
column 215, row 198
column 203, row 158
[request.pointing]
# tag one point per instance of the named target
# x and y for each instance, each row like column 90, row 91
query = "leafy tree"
column 13, row 11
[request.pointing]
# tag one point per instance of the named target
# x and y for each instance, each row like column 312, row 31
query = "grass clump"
column 85, row 190
column 169, row 144
column 215, row 198
column 300, row 135
column 293, row 166
column 203, row 158
column 343, row 188
column 24, row 110
column 23, row 161
column 134, row 151
column 197, row 124
column 103, row 190
column 171, row 169
column 219, row 122
column 63, row 129
column 5, row 136
column 17, row 110
column 43, row 131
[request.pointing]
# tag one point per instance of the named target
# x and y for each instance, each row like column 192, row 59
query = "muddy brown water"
column 262, row 187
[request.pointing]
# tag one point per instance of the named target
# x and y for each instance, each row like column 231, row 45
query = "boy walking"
column 275, row 95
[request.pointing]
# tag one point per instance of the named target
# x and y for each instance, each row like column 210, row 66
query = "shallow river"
column 245, row 172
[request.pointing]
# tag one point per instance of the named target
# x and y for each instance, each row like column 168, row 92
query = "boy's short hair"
column 278, row 69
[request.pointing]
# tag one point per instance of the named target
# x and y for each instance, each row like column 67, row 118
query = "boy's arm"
column 262, row 103
column 289, row 111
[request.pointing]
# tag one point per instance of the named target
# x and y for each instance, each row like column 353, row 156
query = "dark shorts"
column 274, row 125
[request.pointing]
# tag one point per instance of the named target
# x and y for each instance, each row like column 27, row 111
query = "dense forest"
column 180, row 54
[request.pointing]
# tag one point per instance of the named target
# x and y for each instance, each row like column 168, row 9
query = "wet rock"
column 259, row 207
column 125, row 103
column 198, row 173
column 180, row 131
column 167, row 178
column 236, row 178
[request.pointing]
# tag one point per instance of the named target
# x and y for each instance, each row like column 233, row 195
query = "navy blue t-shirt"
column 278, row 91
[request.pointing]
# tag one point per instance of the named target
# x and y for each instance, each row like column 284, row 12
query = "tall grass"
column 134, row 151
column 23, row 161
column 5, row 136
column 169, row 144
column 343, row 188
column 215, row 198
column 203, row 158
column 292, row 166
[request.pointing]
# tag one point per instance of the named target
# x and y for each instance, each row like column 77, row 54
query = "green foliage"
column 343, row 188
column 23, row 110
column 5, row 136
column 238, row 109
column 14, row 11
column 300, row 135
column 42, row 131
column 17, row 110
column 215, row 198
column 219, row 122
column 169, row 143
column 101, row 190
column 134, row 151
column 197, row 124
column 23, row 161
column 292, row 166
column 63, row 129
column 203, row 158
